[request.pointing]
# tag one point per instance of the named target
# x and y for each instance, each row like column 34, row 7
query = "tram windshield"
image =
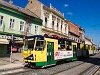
column 29, row 44
column 39, row 44
column 34, row 44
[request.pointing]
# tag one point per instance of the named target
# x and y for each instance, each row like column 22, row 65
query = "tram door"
column 74, row 52
column 50, row 52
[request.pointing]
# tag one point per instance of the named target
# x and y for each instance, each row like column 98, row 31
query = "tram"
column 42, row 51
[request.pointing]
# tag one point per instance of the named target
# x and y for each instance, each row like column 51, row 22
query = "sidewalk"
column 17, row 62
column 11, row 66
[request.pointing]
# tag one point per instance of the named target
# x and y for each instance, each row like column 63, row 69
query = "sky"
column 85, row 13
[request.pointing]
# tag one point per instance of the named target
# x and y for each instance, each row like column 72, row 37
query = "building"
column 88, row 40
column 73, row 32
column 16, row 22
column 54, row 22
column 81, row 34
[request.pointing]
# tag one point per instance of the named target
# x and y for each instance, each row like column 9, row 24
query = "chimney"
column 10, row 1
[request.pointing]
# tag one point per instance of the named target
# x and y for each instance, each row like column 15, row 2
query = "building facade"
column 54, row 22
column 73, row 32
column 16, row 22
column 88, row 41
column 81, row 34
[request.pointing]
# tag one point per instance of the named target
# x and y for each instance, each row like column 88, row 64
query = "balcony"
column 51, row 30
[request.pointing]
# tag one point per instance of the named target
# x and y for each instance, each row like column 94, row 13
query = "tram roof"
column 34, row 36
column 68, row 40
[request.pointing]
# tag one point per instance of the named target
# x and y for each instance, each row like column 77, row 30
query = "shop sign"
column 9, row 37
column 63, row 54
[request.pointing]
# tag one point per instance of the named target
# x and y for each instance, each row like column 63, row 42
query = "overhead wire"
column 81, row 15
column 76, row 12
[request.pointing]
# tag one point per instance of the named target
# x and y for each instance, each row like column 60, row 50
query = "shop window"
column 1, row 21
column 36, row 30
column 21, row 26
column 12, row 23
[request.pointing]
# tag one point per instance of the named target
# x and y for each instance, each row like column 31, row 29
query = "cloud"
column 69, row 13
column 66, row 5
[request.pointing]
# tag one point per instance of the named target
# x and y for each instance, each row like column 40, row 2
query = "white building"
column 54, row 22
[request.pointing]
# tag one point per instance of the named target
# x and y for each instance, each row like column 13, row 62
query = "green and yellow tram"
column 42, row 51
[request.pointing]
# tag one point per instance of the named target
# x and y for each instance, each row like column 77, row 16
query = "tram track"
column 92, row 69
column 55, row 70
column 45, row 71
column 84, row 69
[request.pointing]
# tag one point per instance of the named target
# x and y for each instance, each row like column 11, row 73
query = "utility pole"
column 11, row 51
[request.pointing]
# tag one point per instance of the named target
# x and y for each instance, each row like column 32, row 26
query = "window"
column 29, row 28
column 29, row 44
column 61, row 45
column 69, row 46
column 65, row 29
column 57, row 26
column 40, row 44
column 11, row 24
column 45, row 21
column 36, row 30
column 61, row 25
column 1, row 21
column 53, row 24
column 21, row 26
column 61, row 28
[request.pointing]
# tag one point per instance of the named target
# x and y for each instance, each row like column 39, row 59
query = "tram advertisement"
column 63, row 54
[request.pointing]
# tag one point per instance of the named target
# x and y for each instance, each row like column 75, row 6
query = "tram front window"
column 29, row 44
column 39, row 45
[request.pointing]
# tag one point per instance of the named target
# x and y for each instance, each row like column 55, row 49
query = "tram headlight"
column 31, row 58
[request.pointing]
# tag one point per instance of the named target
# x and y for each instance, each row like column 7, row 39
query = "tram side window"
column 61, row 45
column 69, row 46
column 89, row 47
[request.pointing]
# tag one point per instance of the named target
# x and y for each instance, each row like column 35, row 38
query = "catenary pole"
column 11, row 51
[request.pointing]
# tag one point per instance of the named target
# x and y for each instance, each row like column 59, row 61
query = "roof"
column 28, row 37
column 41, row 36
column 22, row 10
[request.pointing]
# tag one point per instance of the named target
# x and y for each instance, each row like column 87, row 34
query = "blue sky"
column 85, row 13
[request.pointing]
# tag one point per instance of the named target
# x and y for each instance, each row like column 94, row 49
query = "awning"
column 4, row 41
